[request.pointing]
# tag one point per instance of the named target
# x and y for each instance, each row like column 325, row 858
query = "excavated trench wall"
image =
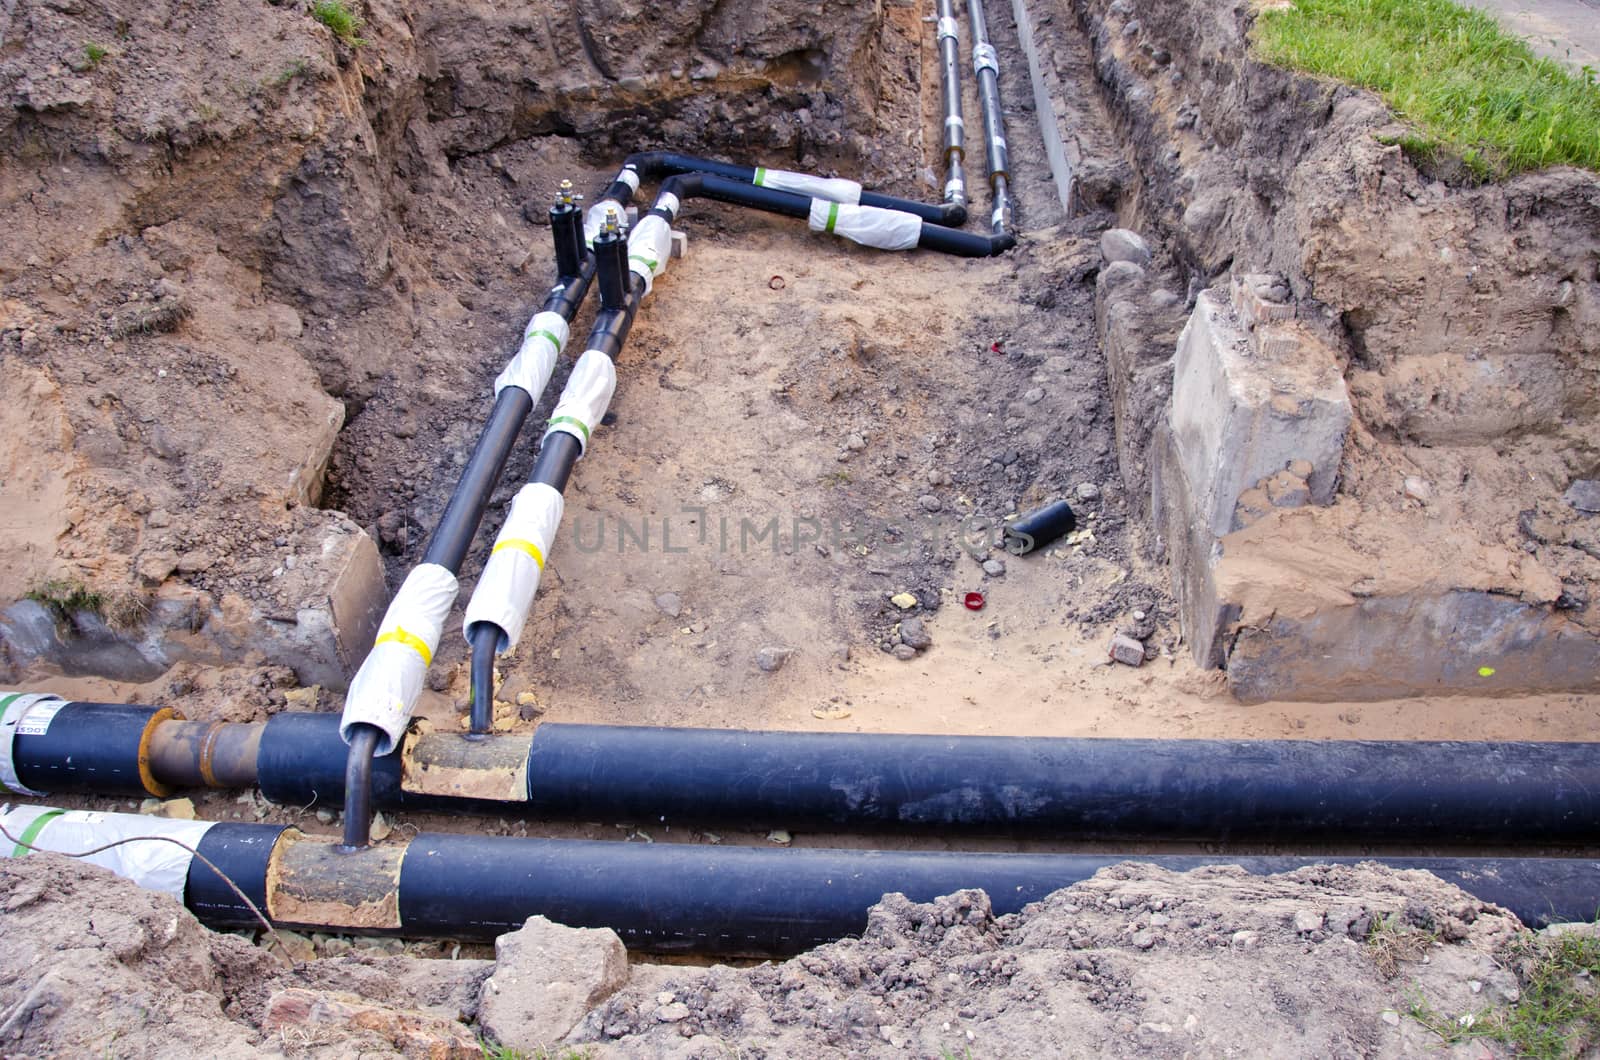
column 1367, row 452
column 224, row 234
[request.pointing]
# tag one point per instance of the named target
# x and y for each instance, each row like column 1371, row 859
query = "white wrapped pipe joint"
column 505, row 591
column 871, row 226
column 585, row 398
column 151, row 863
column 834, row 189
column 530, row 369
column 385, row 689
column 649, row 248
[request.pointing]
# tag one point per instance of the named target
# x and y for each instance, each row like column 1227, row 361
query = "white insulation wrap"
column 594, row 218
column 152, row 863
column 385, row 689
column 833, row 189
column 984, row 57
column 510, row 579
column 871, row 226
column 649, row 247
column 28, row 714
column 587, row 395
column 530, row 369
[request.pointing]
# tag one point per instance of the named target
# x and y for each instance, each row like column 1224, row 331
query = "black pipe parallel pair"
column 652, row 165
column 932, row 236
column 620, row 292
column 458, row 525
column 745, row 901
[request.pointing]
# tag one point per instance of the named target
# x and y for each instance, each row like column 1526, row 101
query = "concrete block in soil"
column 546, row 979
column 319, row 617
column 1414, row 644
column 1192, row 552
column 1239, row 415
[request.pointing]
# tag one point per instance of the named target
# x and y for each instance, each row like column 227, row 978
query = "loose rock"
column 772, row 658
column 1126, row 650
column 1121, row 244
column 914, row 633
column 994, row 568
column 670, row 604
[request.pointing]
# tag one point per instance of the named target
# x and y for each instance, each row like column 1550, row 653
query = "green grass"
column 345, row 24
column 93, row 53
column 64, row 597
column 1466, row 87
column 1558, row 1014
column 495, row 1051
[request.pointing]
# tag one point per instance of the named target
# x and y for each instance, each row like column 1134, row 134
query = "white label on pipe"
column 871, row 226
column 831, row 188
column 668, row 202
column 510, row 579
column 384, row 691
column 630, row 177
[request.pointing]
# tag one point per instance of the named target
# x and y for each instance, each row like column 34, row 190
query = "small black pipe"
column 653, row 164
column 569, row 292
column 566, row 229
column 965, row 244
column 358, row 785
column 558, row 455
column 611, row 268
column 485, row 639
column 453, row 535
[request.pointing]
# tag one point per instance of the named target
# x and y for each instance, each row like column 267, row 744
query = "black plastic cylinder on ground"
column 94, row 748
column 1039, row 527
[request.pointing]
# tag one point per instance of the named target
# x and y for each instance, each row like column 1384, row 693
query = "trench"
column 715, row 358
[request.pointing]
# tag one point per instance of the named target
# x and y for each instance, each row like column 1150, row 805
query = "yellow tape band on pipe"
column 410, row 640
column 521, row 545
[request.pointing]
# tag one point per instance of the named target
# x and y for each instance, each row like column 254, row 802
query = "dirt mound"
column 1135, row 962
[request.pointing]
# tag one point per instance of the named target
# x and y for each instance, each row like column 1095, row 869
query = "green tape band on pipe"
column 31, row 833
column 584, row 427
column 761, row 176
column 642, row 260
column 541, row 331
column 833, row 215
column 8, row 700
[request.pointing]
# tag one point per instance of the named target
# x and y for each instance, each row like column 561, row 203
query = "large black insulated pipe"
column 1033, row 787
column 98, row 748
column 668, row 897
